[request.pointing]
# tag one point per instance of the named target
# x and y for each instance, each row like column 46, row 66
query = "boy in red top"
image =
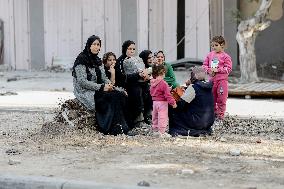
column 161, row 96
column 218, row 65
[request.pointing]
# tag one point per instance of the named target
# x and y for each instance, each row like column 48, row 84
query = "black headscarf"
column 144, row 55
column 90, row 60
column 120, row 77
column 125, row 46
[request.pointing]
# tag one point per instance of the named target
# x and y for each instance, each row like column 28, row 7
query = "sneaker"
column 142, row 125
column 218, row 122
column 132, row 132
column 165, row 135
column 156, row 134
column 148, row 121
column 160, row 135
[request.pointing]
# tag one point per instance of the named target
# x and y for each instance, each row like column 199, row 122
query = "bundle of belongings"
column 134, row 65
column 177, row 92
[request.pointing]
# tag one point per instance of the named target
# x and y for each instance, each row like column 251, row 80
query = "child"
column 170, row 77
column 161, row 96
column 109, row 61
column 218, row 65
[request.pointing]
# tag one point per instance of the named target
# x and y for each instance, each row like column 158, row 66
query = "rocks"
column 247, row 97
column 143, row 183
column 235, row 152
column 185, row 172
column 12, row 79
column 13, row 152
column 222, row 139
column 12, row 162
column 258, row 141
column 8, row 93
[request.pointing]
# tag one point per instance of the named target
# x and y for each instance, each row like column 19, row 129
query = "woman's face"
column 95, row 47
column 110, row 61
column 150, row 59
column 160, row 58
column 130, row 52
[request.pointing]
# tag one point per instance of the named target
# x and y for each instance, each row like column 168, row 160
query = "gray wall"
column 36, row 34
column 230, row 30
column 128, row 20
column 221, row 23
column 1, row 41
column 269, row 43
column 216, row 17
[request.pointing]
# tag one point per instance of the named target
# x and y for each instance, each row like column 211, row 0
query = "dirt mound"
column 72, row 115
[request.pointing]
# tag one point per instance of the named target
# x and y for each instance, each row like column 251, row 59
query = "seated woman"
column 96, row 92
column 148, row 59
column 131, row 74
column 194, row 114
column 170, row 77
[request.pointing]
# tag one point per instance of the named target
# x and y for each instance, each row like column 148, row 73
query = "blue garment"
column 196, row 117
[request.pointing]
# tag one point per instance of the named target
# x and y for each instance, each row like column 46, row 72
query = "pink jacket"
column 160, row 91
column 222, row 61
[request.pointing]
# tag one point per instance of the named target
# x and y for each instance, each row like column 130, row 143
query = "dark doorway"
column 180, row 28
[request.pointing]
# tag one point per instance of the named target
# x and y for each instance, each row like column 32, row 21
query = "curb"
column 33, row 182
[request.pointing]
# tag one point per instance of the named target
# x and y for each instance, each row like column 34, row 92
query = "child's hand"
column 215, row 70
column 175, row 106
column 111, row 69
column 211, row 72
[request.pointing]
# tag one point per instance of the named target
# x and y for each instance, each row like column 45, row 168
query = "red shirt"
column 160, row 91
column 222, row 61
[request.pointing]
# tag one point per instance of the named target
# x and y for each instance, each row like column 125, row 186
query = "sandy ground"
column 211, row 162
column 166, row 163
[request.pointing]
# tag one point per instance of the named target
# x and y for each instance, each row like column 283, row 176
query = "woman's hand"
column 108, row 87
column 175, row 106
column 188, row 82
column 144, row 74
column 126, row 94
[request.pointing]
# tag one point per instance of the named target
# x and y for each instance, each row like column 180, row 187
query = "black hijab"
column 89, row 60
column 125, row 46
column 120, row 77
column 144, row 55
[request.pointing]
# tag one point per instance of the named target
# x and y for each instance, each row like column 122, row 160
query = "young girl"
column 218, row 65
column 109, row 61
column 161, row 96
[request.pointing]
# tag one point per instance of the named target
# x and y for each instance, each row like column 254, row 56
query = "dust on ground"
column 241, row 154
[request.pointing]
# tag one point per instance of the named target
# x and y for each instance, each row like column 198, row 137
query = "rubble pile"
column 72, row 115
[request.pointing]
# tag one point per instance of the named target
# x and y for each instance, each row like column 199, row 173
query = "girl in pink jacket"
column 218, row 65
column 161, row 96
